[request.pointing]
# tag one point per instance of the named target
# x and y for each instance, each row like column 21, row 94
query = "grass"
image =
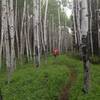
column 46, row 82
column 30, row 83
column 76, row 91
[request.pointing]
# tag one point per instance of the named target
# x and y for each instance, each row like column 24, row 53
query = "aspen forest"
column 49, row 49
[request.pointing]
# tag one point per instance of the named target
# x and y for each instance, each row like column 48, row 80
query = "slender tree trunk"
column 28, row 33
column 90, row 25
column 4, row 26
column 45, row 29
column 53, row 25
column 98, row 15
column 21, row 34
column 59, row 30
column 74, row 26
column 41, row 31
column 36, row 32
column 4, row 31
column 50, row 38
column 16, row 29
column 85, row 46
column 76, row 19
column 12, row 33
column 7, row 43
column 26, row 39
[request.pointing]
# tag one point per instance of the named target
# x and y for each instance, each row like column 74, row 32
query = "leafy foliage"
column 95, row 60
column 53, row 7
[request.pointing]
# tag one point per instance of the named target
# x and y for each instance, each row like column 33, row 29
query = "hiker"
column 55, row 52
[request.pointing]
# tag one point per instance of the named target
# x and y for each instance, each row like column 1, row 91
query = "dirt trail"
column 65, row 92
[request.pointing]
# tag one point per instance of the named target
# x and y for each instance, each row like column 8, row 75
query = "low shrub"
column 95, row 60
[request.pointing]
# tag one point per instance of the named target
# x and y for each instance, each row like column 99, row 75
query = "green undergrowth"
column 95, row 59
column 76, row 91
column 30, row 83
column 46, row 82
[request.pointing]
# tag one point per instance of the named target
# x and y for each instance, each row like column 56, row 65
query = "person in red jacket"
column 55, row 52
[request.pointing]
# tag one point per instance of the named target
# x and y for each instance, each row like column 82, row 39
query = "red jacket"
column 55, row 52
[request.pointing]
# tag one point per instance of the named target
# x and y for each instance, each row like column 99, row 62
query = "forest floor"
column 59, row 79
column 65, row 93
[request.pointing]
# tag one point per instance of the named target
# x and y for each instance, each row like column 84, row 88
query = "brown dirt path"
column 65, row 92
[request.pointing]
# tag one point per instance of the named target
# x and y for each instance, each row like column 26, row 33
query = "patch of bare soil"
column 65, row 92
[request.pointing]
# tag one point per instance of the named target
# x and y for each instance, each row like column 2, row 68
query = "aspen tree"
column 98, row 16
column 76, row 21
column 21, row 33
column 16, row 29
column 90, row 25
column 4, row 26
column 36, row 12
column 85, row 45
column 41, row 27
column 28, row 32
column 12, row 33
column 7, row 44
column 45, row 29
column 59, row 27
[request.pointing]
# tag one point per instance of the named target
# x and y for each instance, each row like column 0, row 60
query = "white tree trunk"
column 52, row 35
column 7, row 45
column 26, row 39
column 90, row 26
column 45, row 24
column 45, row 31
column 59, row 30
column 16, row 29
column 21, row 34
column 36, row 12
column 98, row 15
column 4, row 26
column 12, row 33
column 50, row 48
column 28, row 33
column 84, row 26
column 85, row 49
column 41, row 30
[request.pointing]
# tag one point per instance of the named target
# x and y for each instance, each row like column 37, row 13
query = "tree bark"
column 21, row 33
column 12, row 34
column 59, row 45
column 36, row 32
column 45, row 30
column 4, row 26
column 85, row 45
column 16, row 29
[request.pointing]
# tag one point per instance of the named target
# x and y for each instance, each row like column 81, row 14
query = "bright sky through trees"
column 68, row 9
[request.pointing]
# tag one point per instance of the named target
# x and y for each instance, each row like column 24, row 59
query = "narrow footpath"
column 65, row 92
